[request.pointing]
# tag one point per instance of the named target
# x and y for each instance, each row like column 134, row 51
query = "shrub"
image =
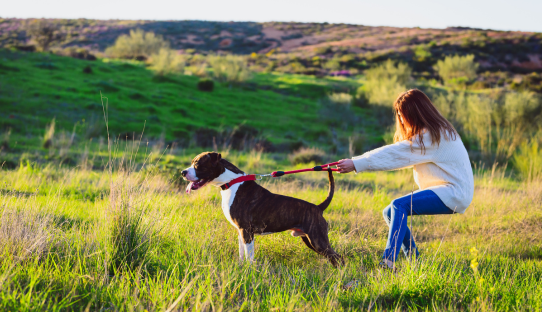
column 385, row 82
column 166, row 61
column 307, row 155
column 520, row 107
column 356, row 143
column 43, row 33
column 137, row 44
column 87, row 69
column 341, row 98
column 229, row 68
column 528, row 160
column 457, row 70
column 206, row 85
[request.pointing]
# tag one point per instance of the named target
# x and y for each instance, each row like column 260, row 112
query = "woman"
column 427, row 142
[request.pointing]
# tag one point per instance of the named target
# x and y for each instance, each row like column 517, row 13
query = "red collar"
column 250, row 177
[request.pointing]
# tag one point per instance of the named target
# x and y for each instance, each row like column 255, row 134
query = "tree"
column 43, row 33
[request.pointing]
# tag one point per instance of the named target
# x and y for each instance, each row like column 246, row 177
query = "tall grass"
column 494, row 124
column 49, row 134
column 191, row 264
column 528, row 160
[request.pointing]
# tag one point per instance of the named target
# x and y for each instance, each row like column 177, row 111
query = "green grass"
column 38, row 87
column 192, row 252
column 75, row 236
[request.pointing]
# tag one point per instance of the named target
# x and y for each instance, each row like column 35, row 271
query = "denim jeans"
column 395, row 215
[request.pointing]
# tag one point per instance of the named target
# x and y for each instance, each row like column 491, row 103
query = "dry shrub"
column 307, row 155
column 385, row 82
column 230, row 68
column 138, row 44
column 528, row 160
column 25, row 232
column 457, row 70
column 341, row 98
column 167, row 61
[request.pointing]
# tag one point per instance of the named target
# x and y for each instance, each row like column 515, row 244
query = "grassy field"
column 35, row 88
column 58, row 248
column 98, row 225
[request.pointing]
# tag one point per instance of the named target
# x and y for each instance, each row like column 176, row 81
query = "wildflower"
column 474, row 261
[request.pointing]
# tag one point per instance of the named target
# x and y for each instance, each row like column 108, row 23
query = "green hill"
column 284, row 110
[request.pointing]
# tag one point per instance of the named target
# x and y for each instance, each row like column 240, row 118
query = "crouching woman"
column 428, row 143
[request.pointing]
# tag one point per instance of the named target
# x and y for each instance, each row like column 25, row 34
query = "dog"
column 253, row 210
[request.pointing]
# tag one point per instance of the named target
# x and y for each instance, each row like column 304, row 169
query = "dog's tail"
column 326, row 202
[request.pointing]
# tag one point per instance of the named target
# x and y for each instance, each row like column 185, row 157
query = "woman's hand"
column 345, row 166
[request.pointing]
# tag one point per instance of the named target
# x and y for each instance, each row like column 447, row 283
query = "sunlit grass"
column 191, row 261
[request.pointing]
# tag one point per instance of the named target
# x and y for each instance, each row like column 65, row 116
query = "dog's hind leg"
column 308, row 243
column 319, row 240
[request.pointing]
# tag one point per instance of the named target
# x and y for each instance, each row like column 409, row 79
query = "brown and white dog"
column 253, row 210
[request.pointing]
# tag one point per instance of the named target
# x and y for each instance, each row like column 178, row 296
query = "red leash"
column 276, row 174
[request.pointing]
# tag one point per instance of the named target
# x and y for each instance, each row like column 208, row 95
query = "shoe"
column 385, row 265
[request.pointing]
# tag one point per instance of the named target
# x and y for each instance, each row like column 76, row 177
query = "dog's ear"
column 215, row 158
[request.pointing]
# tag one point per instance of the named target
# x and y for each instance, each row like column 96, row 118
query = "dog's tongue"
column 189, row 187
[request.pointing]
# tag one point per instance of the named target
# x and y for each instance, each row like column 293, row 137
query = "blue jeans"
column 395, row 215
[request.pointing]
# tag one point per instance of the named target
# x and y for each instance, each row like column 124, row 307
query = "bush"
column 528, row 160
column 137, row 44
column 166, row 61
column 385, row 82
column 457, row 70
column 497, row 124
column 43, row 33
column 206, row 85
column 520, row 107
column 87, row 69
column 230, row 68
column 307, row 155
column 341, row 98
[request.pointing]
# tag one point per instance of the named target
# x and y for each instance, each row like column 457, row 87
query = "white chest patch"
column 228, row 197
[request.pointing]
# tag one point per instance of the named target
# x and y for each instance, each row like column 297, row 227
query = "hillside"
column 280, row 111
column 352, row 46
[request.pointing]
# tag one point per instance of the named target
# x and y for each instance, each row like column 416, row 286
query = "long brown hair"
column 420, row 114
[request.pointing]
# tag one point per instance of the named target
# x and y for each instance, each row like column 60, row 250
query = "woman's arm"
column 391, row 157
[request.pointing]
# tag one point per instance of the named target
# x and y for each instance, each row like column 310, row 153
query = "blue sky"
column 496, row 14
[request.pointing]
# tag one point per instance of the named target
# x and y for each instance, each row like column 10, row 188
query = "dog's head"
column 205, row 167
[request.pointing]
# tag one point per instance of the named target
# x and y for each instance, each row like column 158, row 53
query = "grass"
column 191, row 262
column 91, row 225
column 136, row 96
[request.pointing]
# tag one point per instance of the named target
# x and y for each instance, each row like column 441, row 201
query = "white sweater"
column 445, row 168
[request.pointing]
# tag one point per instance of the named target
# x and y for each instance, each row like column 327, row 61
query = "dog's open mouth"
column 196, row 185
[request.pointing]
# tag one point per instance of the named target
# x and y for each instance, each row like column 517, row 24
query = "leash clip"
column 262, row 176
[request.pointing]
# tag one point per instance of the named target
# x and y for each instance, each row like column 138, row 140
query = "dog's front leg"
column 249, row 251
column 246, row 249
column 241, row 248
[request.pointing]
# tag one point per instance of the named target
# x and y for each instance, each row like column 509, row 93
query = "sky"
column 522, row 15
